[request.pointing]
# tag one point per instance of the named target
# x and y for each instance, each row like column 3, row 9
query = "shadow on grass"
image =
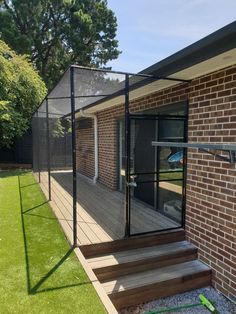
column 30, row 247
column 45, row 217
column 27, row 185
column 37, row 206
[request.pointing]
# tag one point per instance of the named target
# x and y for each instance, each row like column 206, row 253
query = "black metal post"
column 185, row 168
column 38, row 146
column 158, row 151
column 127, row 158
column 72, row 95
column 48, row 152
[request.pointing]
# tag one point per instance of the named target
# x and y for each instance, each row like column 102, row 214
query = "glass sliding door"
column 143, row 158
column 171, row 165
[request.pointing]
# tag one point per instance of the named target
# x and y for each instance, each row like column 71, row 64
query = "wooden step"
column 161, row 282
column 98, row 249
column 108, row 267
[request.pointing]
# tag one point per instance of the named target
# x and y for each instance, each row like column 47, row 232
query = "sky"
column 151, row 30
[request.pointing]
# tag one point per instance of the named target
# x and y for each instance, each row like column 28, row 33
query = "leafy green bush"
column 21, row 91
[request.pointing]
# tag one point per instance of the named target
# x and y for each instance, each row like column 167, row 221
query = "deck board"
column 100, row 211
column 137, row 254
column 154, row 275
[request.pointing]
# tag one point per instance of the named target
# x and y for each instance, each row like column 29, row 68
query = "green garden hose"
column 204, row 302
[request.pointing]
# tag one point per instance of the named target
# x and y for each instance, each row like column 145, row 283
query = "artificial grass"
column 39, row 273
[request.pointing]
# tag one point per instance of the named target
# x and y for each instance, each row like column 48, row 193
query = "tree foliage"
column 58, row 33
column 21, row 91
column 61, row 127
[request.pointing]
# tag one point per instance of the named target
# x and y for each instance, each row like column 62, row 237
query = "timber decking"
column 107, row 267
column 151, row 270
column 128, row 271
column 164, row 237
column 161, row 282
column 100, row 210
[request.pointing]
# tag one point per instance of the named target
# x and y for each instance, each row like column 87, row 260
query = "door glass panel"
column 171, row 170
column 175, row 174
column 142, row 151
column 170, row 158
column 143, row 162
column 145, row 190
column 170, row 199
column 171, row 130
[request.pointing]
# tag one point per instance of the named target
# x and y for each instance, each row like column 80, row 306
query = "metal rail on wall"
column 207, row 148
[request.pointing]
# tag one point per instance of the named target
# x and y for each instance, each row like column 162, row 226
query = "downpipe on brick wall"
column 94, row 117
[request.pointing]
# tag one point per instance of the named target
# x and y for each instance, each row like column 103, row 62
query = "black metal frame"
column 39, row 170
column 158, row 117
column 127, row 158
column 130, row 84
column 185, row 165
column 72, row 94
column 48, row 152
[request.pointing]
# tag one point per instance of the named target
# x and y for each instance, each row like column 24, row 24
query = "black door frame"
column 130, row 175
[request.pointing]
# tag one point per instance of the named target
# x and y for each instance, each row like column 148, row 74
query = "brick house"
column 170, row 193
column 208, row 103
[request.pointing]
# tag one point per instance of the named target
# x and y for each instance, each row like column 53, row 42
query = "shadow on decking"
column 41, row 250
column 104, row 208
column 101, row 206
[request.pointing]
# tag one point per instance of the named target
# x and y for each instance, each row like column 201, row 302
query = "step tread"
column 159, row 275
column 139, row 254
column 134, row 242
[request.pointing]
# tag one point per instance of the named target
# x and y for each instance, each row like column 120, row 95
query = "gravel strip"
column 222, row 304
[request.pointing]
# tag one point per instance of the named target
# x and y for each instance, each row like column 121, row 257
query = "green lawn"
column 175, row 175
column 38, row 271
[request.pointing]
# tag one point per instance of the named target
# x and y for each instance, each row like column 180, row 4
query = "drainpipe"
column 94, row 117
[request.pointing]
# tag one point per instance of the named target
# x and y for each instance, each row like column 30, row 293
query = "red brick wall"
column 85, row 147
column 108, row 128
column 107, row 147
column 211, row 183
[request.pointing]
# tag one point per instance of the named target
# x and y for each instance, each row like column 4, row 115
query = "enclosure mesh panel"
column 94, row 90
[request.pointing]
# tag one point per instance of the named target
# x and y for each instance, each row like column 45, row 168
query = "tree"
column 58, row 33
column 60, row 127
column 21, row 91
